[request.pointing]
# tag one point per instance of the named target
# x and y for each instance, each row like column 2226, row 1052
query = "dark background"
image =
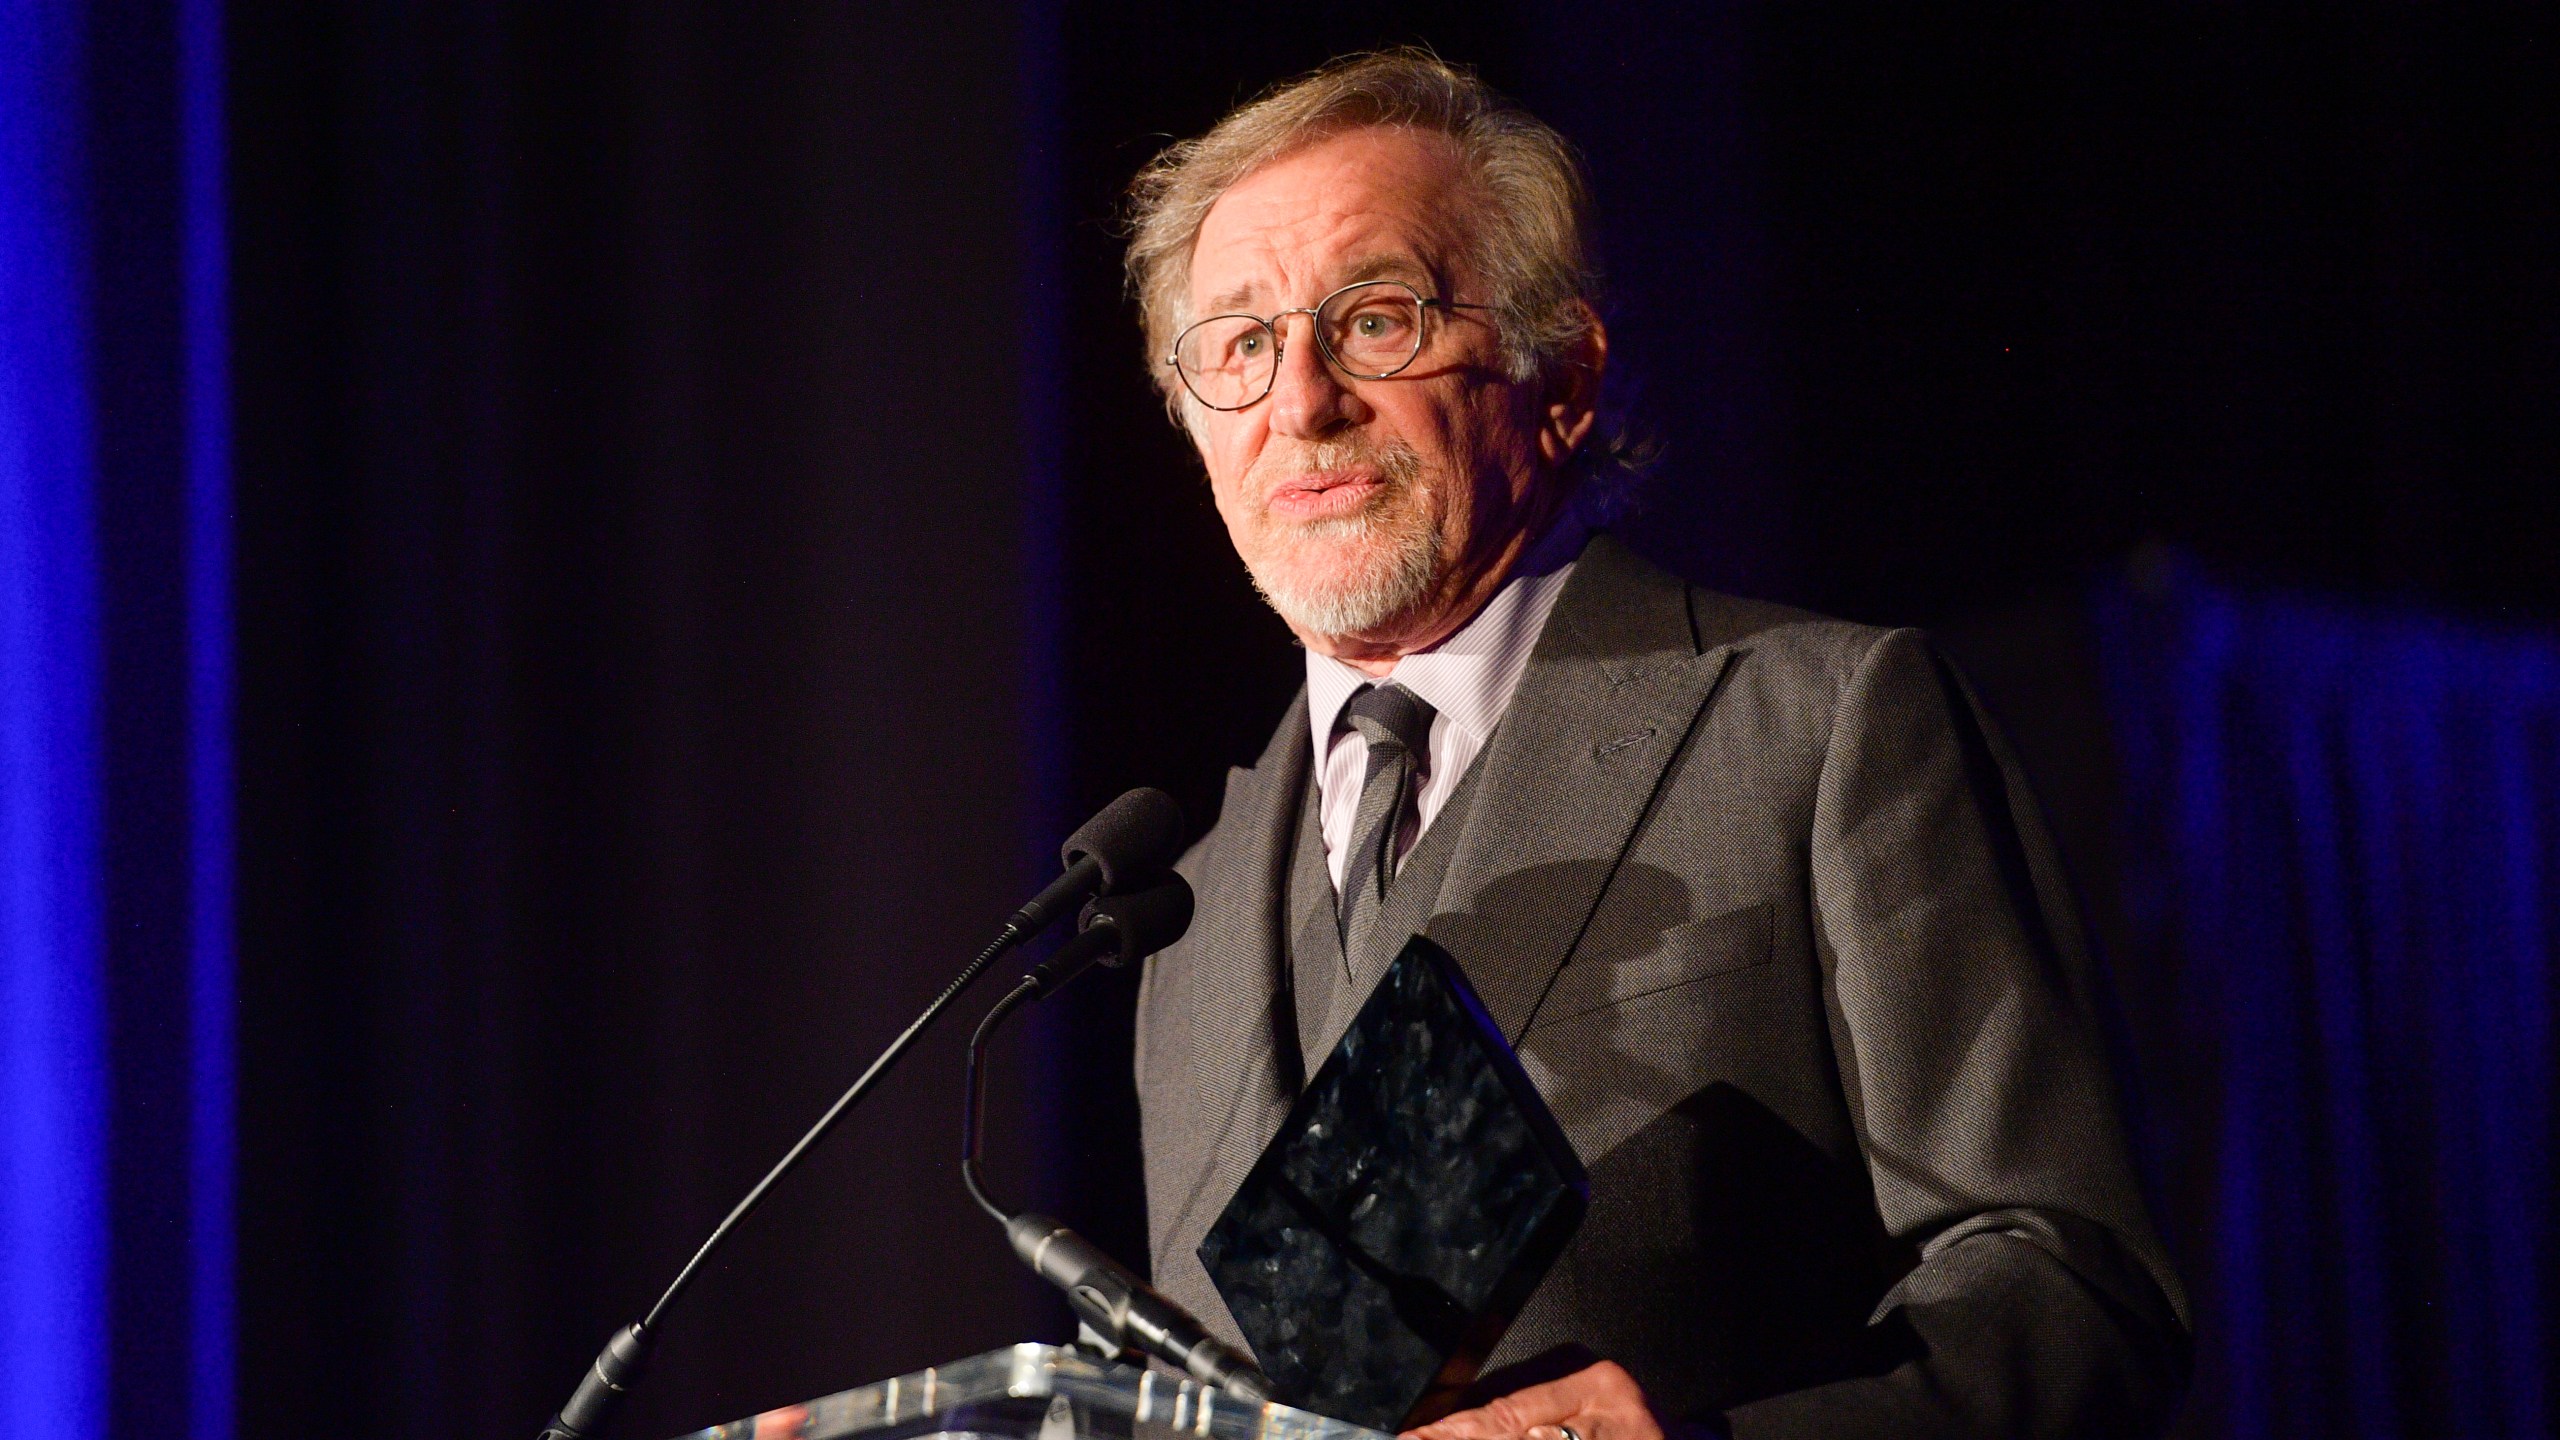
column 704, row 531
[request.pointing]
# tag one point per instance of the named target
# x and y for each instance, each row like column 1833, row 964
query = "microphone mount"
column 1131, row 838
column 1109, row 1300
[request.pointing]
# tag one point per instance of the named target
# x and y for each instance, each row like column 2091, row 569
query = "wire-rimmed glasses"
column 1368, row 330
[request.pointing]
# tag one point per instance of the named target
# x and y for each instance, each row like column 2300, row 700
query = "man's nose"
column 1308, row 397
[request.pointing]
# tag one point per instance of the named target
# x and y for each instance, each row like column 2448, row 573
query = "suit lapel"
column 1269, row 795
column 1248, row 1072
column 1609, row 695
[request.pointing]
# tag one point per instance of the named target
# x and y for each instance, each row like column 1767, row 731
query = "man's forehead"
column 1408, row 266
column 1369, row 204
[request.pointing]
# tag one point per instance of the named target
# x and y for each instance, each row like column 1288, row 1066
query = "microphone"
column 1116, row 1304
column 1117, row 929
column 1132, row 839
column 1106, row 1296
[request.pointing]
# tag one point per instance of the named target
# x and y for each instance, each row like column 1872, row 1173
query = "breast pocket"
column 1682, row 955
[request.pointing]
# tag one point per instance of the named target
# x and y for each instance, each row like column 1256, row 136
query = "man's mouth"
column 1326, row 494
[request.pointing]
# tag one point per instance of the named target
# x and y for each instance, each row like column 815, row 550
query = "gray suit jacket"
column 1764, row 904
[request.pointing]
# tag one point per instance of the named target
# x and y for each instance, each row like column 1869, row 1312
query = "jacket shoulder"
column 1784, row 632
column 1772, row 635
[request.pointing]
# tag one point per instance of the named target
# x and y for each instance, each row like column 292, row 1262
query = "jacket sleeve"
column 1959, row 988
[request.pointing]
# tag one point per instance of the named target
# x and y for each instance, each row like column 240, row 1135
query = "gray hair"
column 1532, row 246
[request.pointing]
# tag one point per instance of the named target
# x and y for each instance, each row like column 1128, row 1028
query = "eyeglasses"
column 1369, row 331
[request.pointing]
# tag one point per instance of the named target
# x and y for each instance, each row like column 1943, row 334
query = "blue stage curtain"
column 2343, row 856
column 52, row 1025
column 115, row 809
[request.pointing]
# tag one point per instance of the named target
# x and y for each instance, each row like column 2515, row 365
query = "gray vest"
column 1328, row 986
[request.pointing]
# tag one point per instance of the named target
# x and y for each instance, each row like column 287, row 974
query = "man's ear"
column 1572, row 398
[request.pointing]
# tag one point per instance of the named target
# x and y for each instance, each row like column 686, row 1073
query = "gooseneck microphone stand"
column 1109, row 1299
column 1134, row 836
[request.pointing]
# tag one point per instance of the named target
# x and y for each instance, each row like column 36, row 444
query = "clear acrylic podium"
column 1035, row 1392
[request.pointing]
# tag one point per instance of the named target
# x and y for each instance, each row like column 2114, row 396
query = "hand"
column 1598, row 1402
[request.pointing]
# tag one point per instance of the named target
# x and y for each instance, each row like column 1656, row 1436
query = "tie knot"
column 1392, row 715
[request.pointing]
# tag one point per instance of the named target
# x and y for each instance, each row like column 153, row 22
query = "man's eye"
column 1248, row 346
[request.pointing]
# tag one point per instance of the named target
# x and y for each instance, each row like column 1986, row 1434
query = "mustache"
column 1397, row 464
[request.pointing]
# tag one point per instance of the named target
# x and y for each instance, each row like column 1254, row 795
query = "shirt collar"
column 1469, row 676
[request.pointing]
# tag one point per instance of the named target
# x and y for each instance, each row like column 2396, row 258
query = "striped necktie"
column 1397, row 724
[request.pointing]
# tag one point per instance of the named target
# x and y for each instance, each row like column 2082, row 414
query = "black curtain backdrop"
column 644, row 695
column 705, row 529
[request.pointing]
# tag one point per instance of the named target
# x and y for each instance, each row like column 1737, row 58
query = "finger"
column 1495, row 1421
column 1460, row 1425
column 1539, row 1407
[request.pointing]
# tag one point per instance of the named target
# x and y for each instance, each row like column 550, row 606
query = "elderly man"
column 1760, row 898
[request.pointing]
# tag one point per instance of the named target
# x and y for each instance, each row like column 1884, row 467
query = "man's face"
column 1368, row 510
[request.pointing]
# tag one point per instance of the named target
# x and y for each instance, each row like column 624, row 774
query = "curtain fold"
column 115, row 634
column 2341, row 830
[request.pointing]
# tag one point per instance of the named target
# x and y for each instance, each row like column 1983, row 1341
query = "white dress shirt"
column 1467, row 678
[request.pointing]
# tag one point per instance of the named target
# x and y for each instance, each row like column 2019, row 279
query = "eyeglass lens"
column 1371, row 331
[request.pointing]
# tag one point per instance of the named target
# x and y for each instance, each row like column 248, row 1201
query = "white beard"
column 1399, row 564
column 1390, row 586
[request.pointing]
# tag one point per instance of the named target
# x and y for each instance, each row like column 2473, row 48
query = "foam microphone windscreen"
column 1145, row 921
column 1132, row 839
